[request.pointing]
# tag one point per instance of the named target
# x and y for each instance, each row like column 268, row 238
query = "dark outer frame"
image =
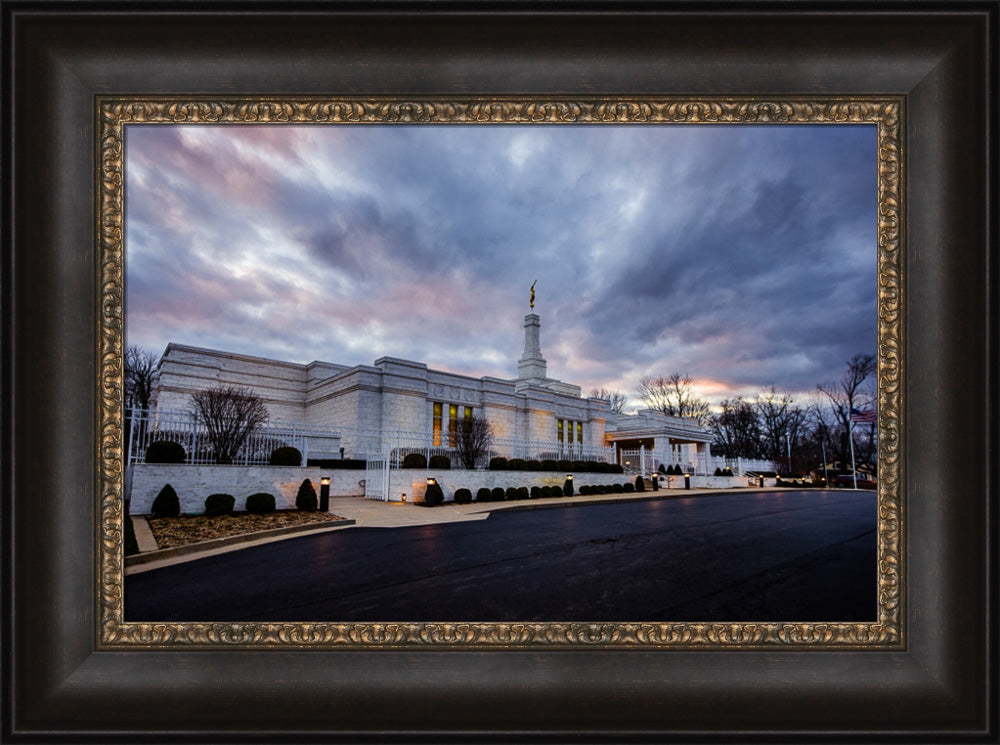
column 58, row 57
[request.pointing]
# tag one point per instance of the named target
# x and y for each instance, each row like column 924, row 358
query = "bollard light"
column 324, row 494
column 687, row 480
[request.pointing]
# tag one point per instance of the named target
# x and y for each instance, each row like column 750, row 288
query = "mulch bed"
column 170, row 532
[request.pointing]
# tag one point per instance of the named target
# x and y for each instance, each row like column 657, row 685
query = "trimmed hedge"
column 549, row 465
column 532, row 465
column 522, row 492
column 498, row 494
column 306, row 500
column 165, row 451
column 511, row 493
column 434, row 495
column 517, row 464
column 414, row 460
column 131, row 544
column 463, row 496
column 498, row 463
column 565, row 465
column 484, row 494
column 166, row 503
column 285, row 456
column 628, row 488
column 260, row 503
column 440, row 462
column 640, row 483
column 219, row 504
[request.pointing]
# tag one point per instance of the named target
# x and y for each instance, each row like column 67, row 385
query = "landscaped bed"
column 170, row 532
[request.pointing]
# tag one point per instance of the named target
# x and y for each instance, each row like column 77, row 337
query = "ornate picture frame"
column 74, row 671
column 885, row 113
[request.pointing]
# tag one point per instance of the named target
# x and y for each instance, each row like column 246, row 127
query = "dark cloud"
column 739, row 254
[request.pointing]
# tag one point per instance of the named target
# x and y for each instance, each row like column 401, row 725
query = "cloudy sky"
column 743, row 256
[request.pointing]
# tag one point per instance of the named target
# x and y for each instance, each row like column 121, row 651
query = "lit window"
column 559, row 429
column 579, row 432
column 436, row 424
column 452, row 424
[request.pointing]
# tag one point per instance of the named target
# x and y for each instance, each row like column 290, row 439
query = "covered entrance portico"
column 650, row 438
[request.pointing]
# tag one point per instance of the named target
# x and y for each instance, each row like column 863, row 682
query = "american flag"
column 863, row 417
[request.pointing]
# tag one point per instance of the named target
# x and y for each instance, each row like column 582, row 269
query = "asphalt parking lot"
column 754, row 556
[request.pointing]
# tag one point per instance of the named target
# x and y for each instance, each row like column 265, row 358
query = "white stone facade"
column 397, row 395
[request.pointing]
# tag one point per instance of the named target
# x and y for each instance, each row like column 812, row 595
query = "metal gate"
column 377, row 479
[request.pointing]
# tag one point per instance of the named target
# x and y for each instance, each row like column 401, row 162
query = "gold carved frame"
column 113, row 114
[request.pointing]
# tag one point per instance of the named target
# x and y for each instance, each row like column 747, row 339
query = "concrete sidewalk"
column 368, row 513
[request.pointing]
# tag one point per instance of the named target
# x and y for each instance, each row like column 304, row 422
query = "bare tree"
column 473, row 440
column 617, row 399
column 140, row 372
column 230, row 414
column 674, row 396
column 736, row 430
column 855, row 390
column 781, row 424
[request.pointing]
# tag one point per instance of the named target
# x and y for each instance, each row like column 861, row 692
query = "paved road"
column 768, row 556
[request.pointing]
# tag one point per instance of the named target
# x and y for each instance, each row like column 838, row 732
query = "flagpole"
column 850, row 436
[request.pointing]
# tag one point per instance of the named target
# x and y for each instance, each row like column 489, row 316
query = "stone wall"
column 413, row 481
column 194, row 483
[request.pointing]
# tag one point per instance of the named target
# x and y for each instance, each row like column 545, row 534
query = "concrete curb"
column 233, row 540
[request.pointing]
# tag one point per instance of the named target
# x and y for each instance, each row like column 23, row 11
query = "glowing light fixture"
column 324, row 494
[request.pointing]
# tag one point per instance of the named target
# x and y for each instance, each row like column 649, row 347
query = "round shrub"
column 260, row 503
column 617, row 488
column 219, row 504
column 522, row 492
column 441, row 462
column 498, row 464
column 593, row 466
column 516, row 464
column 463, row 496
column 628, row 488
column 165, row 451
column 549, row 465
column 606, row 467
column 662, row 470
column 414, row 460
column 640, row 483
column 532, row 465
column 131, row 544
column 434, row 495
column 166, row 503
column 285, row 456
column 579, row 466
column 565, row 465
column 306, row 500
column 718, row 472
column 511, row 492
column 497, row 494
column 535, row 493
column 483, row 495
column 568, row 487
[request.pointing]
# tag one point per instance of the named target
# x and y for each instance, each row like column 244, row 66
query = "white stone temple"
column 397, row 397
